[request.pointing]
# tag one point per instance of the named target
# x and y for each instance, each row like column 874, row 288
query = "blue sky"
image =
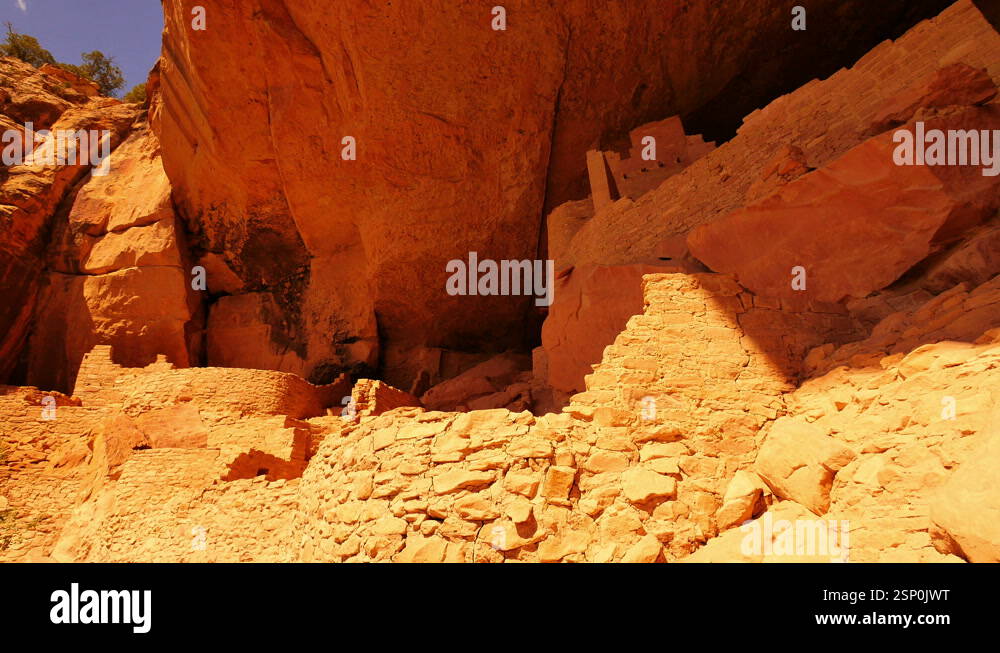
column 128, row 30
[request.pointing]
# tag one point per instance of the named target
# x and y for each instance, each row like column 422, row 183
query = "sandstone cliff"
column 782, row 333
column 465, row 137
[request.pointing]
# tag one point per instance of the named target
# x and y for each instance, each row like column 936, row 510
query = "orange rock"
column 955, row 84
column 153, row 245
column 558, row 482
column 966, row 511
column 799, row 463
column 641, row 485
column 878, row 412
column 788, row 164
column 422, row 550
column 592, row 305
column 645, row 550
column 178, row 427
column 853, row 226
column 30, row 193
column 79, row 84
column 459, row 159
column 479, row 382
column 742, row 499
column 459, row 479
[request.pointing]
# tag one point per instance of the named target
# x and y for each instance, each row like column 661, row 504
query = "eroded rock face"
column 120, row 274
column 856, row 225
column 966, row 512
column 31, row 193
column 824, row 120
column 710, row 412
column 461, row 146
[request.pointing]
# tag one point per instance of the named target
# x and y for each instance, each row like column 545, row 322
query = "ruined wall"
column 43, row 440
column 223, row 391
column 710, row 405
column 168, row 507
column 132, row 438
column 655, row 151
column 607, row 480
column 824, row 119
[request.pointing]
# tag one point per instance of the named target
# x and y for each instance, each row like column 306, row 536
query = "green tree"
column 24, row 47
column 101, row 69
column 137, row 95
column 95, row 66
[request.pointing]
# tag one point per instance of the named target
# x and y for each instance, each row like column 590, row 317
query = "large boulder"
column 798, row 462
column 965, row 512
column 856, row 225
column 496, row 383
